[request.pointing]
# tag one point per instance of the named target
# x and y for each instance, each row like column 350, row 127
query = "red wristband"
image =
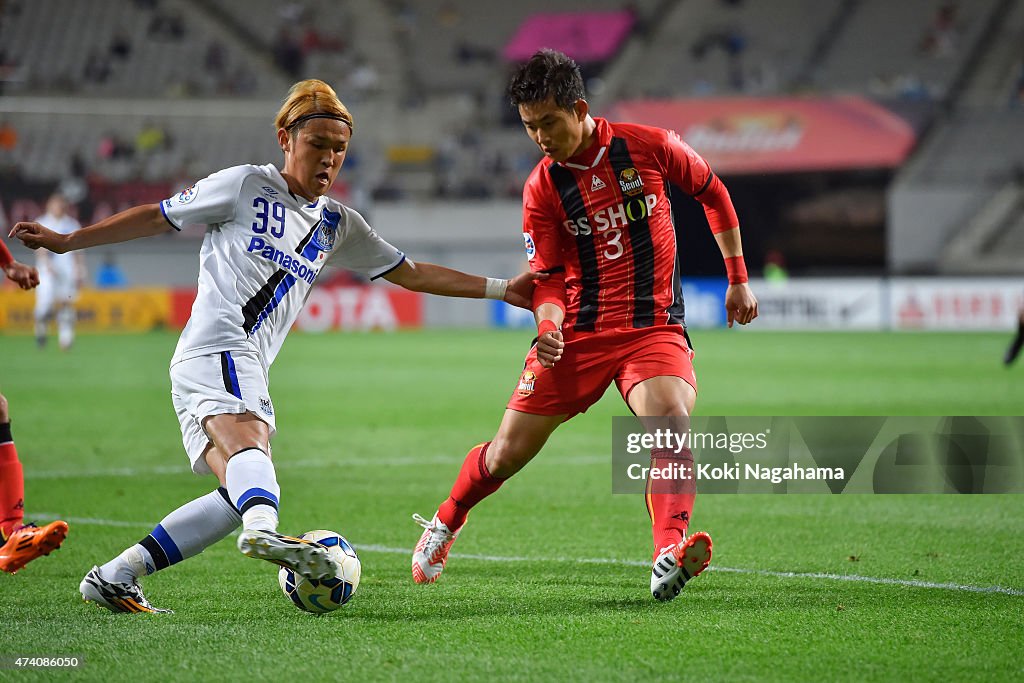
column 546, row 326
column 736, row 269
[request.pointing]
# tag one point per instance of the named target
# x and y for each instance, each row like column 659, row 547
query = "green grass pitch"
column 374, row 427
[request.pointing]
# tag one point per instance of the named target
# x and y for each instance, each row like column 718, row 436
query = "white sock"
column 187, row 531
column 66, row 326
column 252, row 484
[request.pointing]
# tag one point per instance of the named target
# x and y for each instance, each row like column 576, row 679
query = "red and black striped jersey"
column 604, row 217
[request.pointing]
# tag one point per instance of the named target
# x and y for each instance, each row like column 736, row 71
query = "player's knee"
column 505, row 457
column 242, row 447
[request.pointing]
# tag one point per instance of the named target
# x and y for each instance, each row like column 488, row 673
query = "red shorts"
column 591, row 360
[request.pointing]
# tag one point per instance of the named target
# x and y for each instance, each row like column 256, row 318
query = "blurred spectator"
column 1017, row 96
column 906, row 86
column 408, row 20
column 733, row 43
column 151, row 138
column 466, row 52
column 112, row 147
column 121, row 44
column 8, row 142
column 363, row 78
column 292, row 12
column 167, row 25
column 288, row 53
column 215, row 58
column 241, row 82
column 77, row 166
column 97, row 67
column 109, row 275
column 942, row 36
column 10, row 69
column 8, row 137
column 315, row 40
column 448, row 15
column 775, row 267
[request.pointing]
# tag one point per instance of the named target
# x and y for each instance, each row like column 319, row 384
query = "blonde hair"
column 308, row 99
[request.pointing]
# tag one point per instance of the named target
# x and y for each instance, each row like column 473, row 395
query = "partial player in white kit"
column 269, row 234
column 60, row 277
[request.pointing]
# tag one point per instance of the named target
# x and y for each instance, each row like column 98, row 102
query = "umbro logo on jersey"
column 596, row 184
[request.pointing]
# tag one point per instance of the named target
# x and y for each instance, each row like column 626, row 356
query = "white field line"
column 183, row 467
column 373, row 548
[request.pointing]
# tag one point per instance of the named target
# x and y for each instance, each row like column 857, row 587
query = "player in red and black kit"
column 598, row 222
column 21, row 543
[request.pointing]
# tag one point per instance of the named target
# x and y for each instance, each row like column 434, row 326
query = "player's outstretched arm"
column 433, row 279
column 141, row 221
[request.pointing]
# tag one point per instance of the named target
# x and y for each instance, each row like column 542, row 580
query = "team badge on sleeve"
column 187, row 195
column 531, row 248
column 327, row 229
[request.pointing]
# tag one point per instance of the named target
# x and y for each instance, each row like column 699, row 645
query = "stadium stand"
column 917, row 47
column 119, row 48
column 167, row 90
column 704, row 47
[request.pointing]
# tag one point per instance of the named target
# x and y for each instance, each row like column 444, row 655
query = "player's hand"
column 34, row 235
column 520, row 289
column 549, row 348
column 24, row 276
column 740, row 304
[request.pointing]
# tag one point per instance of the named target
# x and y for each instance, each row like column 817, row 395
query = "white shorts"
column 55, row 289
column 229, row 382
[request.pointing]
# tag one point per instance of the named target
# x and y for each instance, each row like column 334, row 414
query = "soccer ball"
column 327, row 595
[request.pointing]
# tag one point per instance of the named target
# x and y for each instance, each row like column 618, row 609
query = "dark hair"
column 548, row 73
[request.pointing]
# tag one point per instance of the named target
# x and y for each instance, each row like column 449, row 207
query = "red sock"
column 670, row 501
column 12, row 484
column 473, row 484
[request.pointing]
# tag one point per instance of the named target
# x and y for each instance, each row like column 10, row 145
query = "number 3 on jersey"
column 265, row 211
column 615, row 248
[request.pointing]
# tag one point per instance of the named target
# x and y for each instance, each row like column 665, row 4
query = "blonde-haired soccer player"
column 269, row 234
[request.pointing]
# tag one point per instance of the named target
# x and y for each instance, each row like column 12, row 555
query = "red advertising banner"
column 360, row 308
column 374, row 307
column 584, row 36
column 955, row 304
column 780, row 135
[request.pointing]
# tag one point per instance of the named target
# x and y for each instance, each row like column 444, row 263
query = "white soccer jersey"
column 262, row 251
column 58, row 266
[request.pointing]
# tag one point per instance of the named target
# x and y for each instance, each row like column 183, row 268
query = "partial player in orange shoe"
column 22, row 543
column 29, row 542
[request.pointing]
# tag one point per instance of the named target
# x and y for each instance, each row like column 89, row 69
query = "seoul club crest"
column 526, row 384
column 631, row 182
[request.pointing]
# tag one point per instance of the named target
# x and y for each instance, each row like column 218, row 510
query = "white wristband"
column 495, row 288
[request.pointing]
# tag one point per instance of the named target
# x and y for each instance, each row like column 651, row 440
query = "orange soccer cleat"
column 30, row 542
